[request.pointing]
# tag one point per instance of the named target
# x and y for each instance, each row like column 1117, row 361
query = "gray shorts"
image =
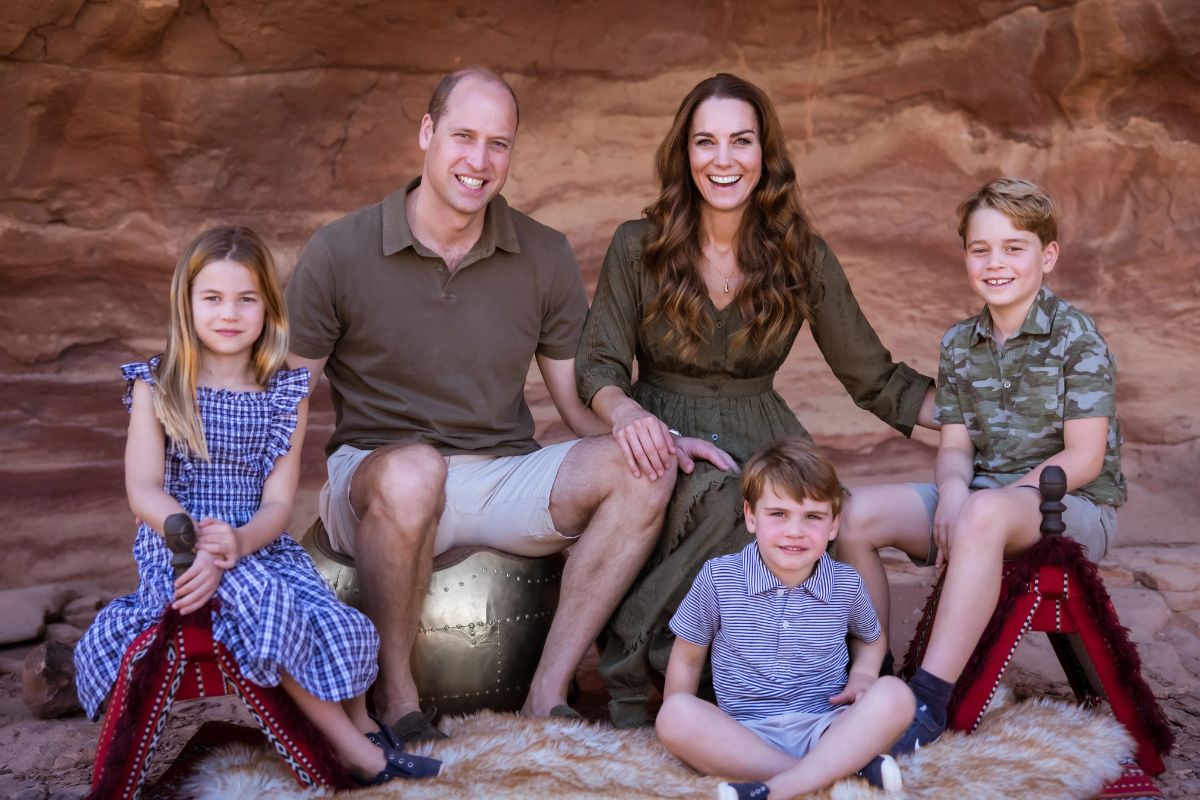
column 795, row 733
column 501, row 502
column 1092, row 525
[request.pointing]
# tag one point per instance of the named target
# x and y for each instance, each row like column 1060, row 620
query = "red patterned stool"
column 1055, row 589
column 177, row 659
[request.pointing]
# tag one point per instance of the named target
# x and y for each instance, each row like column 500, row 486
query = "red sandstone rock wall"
column 128, row 126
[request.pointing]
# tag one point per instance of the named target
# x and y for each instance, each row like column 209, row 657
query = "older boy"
column 776, row 616
column 1026, row 383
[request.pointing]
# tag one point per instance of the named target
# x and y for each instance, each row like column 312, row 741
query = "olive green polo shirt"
column 1015, row 398
column 417, row 353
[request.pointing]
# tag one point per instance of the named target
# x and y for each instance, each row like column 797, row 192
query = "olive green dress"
column 722, row 394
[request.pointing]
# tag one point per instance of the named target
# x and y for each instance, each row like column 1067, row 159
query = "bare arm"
column 925, row 415
column 1082, row 457
column 684, row 668
column 952, row 472
column 145, row 450
column 315, row 366
column 865, row 660
column 559, row 377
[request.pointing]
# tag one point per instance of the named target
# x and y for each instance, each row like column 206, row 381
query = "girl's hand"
column 195, row 586
column 855, row 687
column 645, row 440
column 950, row 502
column 221, row 540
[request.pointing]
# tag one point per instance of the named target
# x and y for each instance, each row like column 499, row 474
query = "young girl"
column 215, row 429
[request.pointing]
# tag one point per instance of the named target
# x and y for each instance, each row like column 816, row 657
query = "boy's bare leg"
column 994, row 524
column 861, row 732
column 620, row 518
column 709, row 740
column 728, row 748
column 398, row 492
column 874, row 517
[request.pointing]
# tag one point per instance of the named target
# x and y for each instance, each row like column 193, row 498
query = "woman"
column 707, row 294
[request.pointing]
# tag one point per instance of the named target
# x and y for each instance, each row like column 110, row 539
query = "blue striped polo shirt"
column 775, row 650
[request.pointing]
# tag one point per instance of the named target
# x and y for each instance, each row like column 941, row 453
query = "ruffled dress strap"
column 285, row 390
column 137, row 371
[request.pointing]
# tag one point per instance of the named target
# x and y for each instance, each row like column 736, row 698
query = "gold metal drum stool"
column 483, row 625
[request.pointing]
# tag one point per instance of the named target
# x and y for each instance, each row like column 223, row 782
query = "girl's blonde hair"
column 175, row 400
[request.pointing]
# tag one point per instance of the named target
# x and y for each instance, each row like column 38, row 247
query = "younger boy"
column 776, row 616
column 1026, row 383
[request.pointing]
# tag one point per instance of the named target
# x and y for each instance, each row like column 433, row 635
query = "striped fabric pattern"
column 775, row 650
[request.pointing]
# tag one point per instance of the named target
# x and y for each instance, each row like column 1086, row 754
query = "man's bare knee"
column 409, row 480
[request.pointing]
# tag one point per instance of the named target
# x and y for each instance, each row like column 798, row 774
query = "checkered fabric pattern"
column 275, row 611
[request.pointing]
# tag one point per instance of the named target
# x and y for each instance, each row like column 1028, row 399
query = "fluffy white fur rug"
column 1038, row 748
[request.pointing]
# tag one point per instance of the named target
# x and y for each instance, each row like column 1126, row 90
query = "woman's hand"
column 645, row 440
column 951, row 498
column 688, row 450
column 221, row 540
column 195, row 586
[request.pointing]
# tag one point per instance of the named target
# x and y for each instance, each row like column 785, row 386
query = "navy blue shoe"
column 921, row 733
column 883, row 773
column 742, row 791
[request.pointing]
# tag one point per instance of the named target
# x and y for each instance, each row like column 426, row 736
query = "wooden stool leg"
column 141, row 702
column 971, row 700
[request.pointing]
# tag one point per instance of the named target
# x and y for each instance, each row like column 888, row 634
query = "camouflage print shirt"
column 1015, row 397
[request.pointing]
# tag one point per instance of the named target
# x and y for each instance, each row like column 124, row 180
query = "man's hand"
column 689, row 450
column 195, row 586
column 950, row 502
column 855, row 687
column 221, row 540
column 645, row 440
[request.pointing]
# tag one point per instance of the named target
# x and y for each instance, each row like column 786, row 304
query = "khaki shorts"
column 1092, row 525
column 501, row 502
column 795, row 733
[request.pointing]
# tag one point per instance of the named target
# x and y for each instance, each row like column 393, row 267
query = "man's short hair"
column 441, row 92
column 1028, row 206
column 793, row 466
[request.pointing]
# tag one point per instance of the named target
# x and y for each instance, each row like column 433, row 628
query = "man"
column 425, row 311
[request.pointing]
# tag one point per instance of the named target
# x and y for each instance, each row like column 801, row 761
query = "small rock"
column 1182, row 601
column 48, row 684
column 62, row 632
column 81, row 611
column 1170, row 578
column 27, row 610
column 1116, row 576
column 31, row 793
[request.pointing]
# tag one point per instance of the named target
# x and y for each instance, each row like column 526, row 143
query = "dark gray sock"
column 933, row 692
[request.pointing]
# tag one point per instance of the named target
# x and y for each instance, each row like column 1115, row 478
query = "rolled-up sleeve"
column 609, row 342
column 892, row 391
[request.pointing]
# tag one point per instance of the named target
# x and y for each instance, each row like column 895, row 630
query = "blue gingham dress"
column 277, row 613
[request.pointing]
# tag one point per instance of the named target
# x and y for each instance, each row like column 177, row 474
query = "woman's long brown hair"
column 776, row 248
column 175, row 395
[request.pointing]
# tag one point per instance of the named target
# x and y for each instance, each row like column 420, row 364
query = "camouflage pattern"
column 1015, row 398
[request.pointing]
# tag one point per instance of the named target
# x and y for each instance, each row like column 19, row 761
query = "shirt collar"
column 1037, row 322
column 760, row 579
column 498, row 227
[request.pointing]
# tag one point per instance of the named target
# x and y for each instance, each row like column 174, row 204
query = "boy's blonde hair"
column 1028, row 206
column 175, row 379
column 793, row 466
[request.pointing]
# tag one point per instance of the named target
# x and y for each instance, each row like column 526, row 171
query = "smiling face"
column 467, row 152
column 1005, row 265
column 227, row 308
column 792, row 534
column 725, row 153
